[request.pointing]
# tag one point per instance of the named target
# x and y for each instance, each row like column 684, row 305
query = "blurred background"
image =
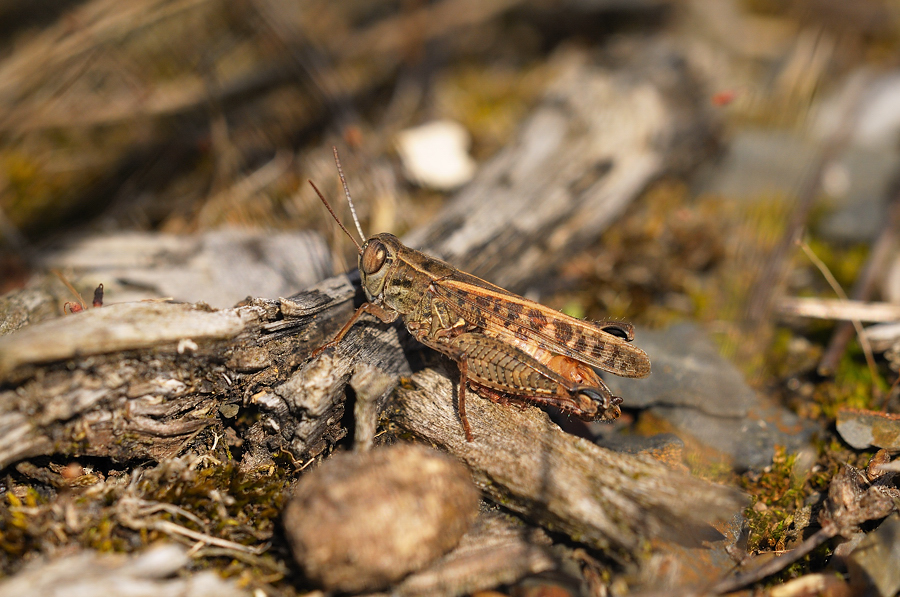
column 184, row 131
column 193, row 115
column 162, row 148
column 728, row 165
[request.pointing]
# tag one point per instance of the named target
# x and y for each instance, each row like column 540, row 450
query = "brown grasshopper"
column 508, row 349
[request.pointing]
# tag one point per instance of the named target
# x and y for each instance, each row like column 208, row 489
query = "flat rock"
column 686, row 370
column 873, row 564
column 701, row 393
column 749, row 441
column 865, row 428
column 219, row 268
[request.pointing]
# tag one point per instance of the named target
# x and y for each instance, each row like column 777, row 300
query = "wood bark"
column 139, row 380
column 525, row 462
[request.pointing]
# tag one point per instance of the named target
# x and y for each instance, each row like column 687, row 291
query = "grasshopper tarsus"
column 98, row 296
column 506, row 346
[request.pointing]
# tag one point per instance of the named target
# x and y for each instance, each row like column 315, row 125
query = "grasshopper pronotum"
column 508, row 349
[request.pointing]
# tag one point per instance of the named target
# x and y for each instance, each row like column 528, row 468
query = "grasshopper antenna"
column 331, row 211
column 337, row 161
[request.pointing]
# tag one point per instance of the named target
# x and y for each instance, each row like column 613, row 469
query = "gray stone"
column 766, row 164
column 702, row 394
column 749, row 441
column 686, row 370
column 864, row 428
column 857, row 185
column 762, row 164
column 873, row 564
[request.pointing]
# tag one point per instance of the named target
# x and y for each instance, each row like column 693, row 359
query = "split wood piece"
column 142, row 380
column 526, row 463
column 837, row 309
column 159, row 570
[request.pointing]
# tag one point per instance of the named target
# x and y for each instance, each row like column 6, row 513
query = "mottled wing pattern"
column 581, row 340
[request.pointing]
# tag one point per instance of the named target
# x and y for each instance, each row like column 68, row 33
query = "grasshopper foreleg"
column 383, row 315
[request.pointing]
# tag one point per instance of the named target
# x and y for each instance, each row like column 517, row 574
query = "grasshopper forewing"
column 508, row 349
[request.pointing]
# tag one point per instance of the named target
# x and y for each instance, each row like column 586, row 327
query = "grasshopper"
column 508, row 348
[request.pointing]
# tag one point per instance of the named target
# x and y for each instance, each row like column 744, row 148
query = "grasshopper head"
column 375, row 263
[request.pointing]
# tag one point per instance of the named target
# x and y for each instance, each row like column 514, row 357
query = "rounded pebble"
column 362, row 521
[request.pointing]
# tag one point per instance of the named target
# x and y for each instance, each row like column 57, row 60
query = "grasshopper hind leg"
column 503, row 373
column 461, row 398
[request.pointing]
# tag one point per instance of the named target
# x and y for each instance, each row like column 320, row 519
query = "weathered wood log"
column 525, row 462
column 139, row 380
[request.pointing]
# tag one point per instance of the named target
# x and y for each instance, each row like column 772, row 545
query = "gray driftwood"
column 139, row 380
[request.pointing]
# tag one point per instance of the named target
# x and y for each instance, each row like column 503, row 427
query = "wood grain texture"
column 141, row 380
column 526, row 463
column 497, row 550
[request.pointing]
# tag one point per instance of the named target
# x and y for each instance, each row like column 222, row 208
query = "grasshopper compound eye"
column 373, row 257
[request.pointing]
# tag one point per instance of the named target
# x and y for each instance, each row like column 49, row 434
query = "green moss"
column 227, row 503
column 776, row 495
column 717, row 470
column 779, row 495
column 852, row 387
